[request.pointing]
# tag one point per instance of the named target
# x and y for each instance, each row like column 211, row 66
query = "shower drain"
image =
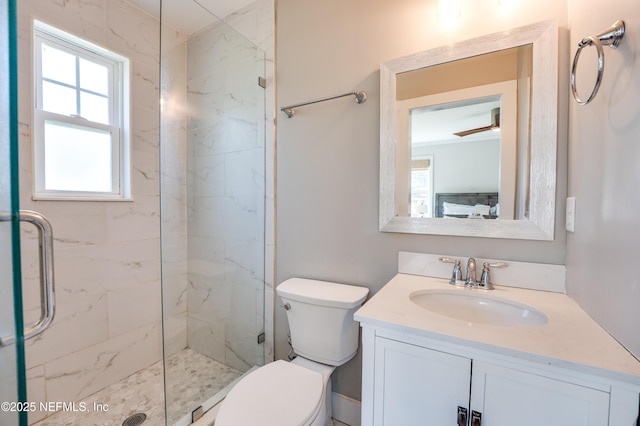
column 135, row 419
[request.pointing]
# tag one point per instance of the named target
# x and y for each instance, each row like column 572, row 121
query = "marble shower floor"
column 192, row 378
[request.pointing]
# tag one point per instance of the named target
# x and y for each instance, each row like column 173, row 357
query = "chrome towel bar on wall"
column 610, row 37
column 361, row 97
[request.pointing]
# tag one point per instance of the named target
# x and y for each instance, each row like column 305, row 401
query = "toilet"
column 324, row 336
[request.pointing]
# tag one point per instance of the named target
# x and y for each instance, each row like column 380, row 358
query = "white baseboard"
column 345, row 409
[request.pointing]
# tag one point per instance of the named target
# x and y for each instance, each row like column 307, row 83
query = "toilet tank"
column 320, row 315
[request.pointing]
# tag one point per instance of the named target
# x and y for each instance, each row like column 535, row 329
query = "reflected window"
column 422, row 187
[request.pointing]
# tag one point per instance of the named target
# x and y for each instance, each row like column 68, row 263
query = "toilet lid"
column 279, row 393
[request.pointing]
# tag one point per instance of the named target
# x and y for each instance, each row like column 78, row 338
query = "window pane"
column 58, row 65
column 94, row 108
column 76, row 158
column 58, row 99
column 94, row 77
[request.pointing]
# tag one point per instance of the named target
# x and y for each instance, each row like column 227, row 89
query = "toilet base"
column 324, row 417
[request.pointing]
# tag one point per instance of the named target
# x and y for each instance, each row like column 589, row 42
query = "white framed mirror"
column 468, row 137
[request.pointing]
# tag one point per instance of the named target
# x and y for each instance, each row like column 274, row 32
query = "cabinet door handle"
column 476, row 418
column 462, row 416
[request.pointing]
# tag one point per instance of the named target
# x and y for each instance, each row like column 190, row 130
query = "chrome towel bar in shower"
column 361, row 97
column 610, row 37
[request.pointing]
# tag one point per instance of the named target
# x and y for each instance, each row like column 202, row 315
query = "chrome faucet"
column 471, row 280
column 471, row 273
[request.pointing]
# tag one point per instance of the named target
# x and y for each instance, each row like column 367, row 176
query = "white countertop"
column 570, row 338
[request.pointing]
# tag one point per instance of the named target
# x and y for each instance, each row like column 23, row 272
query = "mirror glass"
column 448, row 156
column 466, row 137
column 460, row 130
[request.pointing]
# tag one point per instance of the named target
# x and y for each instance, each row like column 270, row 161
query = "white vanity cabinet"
column 406, row 382
column 505, row 397
column 413, row 384
column 419, row 365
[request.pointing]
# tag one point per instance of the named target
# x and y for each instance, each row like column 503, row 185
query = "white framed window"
column 81, row 119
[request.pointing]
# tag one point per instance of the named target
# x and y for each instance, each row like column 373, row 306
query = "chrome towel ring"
column 610, row 37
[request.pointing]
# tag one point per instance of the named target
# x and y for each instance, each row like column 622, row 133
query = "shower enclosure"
column 212, row 144
column 160, row 297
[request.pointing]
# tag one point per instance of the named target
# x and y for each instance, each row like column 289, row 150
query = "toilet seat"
column 279, row 393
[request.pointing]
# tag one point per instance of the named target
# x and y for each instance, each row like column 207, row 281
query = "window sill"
column 77, row 198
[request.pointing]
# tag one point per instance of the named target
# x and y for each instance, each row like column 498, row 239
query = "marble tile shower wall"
column 226, row 197
column 107, row 256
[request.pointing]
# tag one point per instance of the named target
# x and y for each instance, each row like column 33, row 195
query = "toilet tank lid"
column 322, row 293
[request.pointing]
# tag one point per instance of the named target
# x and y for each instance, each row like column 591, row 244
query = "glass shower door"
column 212, row 148
column 12, row 371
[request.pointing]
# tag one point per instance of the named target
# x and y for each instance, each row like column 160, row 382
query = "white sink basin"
column 479, row 308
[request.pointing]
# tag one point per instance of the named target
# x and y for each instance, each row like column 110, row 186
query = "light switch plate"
column 571, row 214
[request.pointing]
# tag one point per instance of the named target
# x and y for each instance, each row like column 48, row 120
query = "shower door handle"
column 47, row 288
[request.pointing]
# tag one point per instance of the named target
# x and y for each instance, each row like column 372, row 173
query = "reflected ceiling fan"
column 495, row 125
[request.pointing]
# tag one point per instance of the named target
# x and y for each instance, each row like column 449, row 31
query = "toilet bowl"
column 298, row 393
column 281, row 393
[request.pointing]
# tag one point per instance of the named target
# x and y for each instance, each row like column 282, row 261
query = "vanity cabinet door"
column 418, row 386
column 507, row 397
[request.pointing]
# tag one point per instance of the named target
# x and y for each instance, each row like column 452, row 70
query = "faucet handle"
column 456, row 275
column 485, row 278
